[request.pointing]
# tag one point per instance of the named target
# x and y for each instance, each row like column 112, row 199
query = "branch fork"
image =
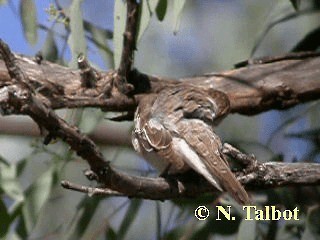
column 114, row 91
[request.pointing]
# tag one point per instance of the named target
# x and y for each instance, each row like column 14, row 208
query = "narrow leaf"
column 21, row 229
column 130, row 216
column 28, row 13
column 88, row 26
column 295, row 4
column 76, row 41
column 161, row 9
column 9, row 183
column 275, row 19
column 35, row 197
column 177, row 9
column 310, row 42
column 307, row 134
column 4, row 161
column 159, row 224
column 50, row 49
column 21, row 166
column 120, row 10
column 5, row 219
column 148, row 8
column 99, row 38
column 86, row 209
column 110, row 234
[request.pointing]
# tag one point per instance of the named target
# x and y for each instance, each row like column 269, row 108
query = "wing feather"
column 177, row 124
column 156, row 134
column 207, row 145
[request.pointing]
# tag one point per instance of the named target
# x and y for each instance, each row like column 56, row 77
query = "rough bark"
column 36, row 88
column 251, row 90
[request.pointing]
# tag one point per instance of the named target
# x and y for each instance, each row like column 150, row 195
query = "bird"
column 174, row 131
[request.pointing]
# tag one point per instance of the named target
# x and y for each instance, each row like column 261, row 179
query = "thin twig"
column 91, row 191
column 15, row 72
column 244, row 159
column 23, row 101
column 89, row 75
column 17, row 96
column 129, row 46
column 271, row 59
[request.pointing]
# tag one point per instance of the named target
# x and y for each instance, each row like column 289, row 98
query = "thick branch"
column 275, row 85
column 34, row 89
column 254, row 176
column 268, row 175
column 251, row 90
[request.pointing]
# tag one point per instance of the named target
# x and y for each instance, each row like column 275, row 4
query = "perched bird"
column 173, row 130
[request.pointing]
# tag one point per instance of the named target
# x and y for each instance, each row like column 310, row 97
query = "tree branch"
column 264, row 176
column 33, row 89
column 129, row 46
column 19, row 99
column 251, row 90
column 259, row 88
column 90, row 190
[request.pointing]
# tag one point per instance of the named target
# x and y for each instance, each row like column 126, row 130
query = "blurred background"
column 204, row 36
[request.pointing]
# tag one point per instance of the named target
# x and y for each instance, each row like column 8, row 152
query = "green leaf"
column 21, row 166
column 88, row 26
column 99, row 38
column 35, row 197
column 177, row 9
column 2, row 2
column 147, row 9
column 86, row 210
column 295, row 4
column 130, row 216
column 5, row 219
column 161, row 9
column 3, row 161
column 110, row 234
column 306, row 134
column 247, row 230
column 21, row 229
column 159, row 223
column 9, row 182
column 49, row 48
column 120, row 10
column 28, row 13
column 76, row 41
column 310, row 42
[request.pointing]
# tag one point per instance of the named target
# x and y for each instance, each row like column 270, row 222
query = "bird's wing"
column 209, row 106
column 162, row 141
column 198, row 105
column 156, row 134
column 206, row 145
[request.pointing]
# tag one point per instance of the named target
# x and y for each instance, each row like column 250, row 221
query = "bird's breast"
column 161, row 159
